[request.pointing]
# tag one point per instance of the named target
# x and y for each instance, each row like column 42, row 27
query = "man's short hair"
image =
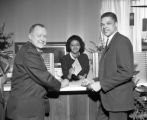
column 34, row 25
column 110, row 14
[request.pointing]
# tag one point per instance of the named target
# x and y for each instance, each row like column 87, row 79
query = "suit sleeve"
column 64, row 67
column 124, row 65
column 85, row 65
column 36, row 69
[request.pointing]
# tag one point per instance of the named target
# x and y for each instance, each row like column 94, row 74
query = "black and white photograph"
column 73, row 59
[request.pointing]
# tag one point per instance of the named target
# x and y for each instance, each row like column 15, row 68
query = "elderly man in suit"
column 30, row 79
column 115, row 73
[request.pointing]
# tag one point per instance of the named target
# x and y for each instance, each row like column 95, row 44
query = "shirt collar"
column 110, row 37
column 72, row 56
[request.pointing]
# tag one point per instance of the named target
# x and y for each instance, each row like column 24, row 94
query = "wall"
column 62, row 18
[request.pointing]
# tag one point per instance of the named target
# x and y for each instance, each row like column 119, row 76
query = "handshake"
column 91, row 85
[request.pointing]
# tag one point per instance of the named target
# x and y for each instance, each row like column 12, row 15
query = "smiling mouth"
column 42, row 43
column 106, row 30
column 75, row 50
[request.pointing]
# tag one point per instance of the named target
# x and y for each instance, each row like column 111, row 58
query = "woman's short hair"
column 77, row 38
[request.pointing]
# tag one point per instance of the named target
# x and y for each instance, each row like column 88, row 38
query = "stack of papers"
column 73, row 87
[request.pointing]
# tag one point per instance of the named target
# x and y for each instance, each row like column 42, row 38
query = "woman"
column 75, row 65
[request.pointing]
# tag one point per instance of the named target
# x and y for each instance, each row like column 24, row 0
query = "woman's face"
column 75, row 46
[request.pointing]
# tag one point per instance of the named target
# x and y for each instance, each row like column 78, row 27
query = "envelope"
column 77, row 67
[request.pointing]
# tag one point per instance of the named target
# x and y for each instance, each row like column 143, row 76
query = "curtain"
column 139, row 14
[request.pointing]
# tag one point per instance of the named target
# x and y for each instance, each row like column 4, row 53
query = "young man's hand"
column 95, row 86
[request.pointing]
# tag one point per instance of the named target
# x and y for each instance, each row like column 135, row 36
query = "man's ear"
column 116, row 24
column 30, row 37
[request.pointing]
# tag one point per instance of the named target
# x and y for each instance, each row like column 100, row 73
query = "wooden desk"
column 72, row 103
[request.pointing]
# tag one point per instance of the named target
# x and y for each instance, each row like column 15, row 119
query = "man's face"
column 108, row 26
column 38, row 37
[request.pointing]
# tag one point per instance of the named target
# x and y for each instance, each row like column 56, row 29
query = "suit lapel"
column 111, row 43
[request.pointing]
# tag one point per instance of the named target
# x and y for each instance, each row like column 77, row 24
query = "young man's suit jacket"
column 115, row 74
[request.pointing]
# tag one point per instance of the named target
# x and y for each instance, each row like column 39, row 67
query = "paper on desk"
column 77, row 67
column 74, row 86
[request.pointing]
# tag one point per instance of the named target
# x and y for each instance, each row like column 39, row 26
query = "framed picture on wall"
column 57, row 48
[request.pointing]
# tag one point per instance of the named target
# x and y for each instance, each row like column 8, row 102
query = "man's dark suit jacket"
column 115, row 73
column 30, row 83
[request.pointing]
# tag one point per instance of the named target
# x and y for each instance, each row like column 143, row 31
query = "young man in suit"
column 115, row 73
column 30, row 79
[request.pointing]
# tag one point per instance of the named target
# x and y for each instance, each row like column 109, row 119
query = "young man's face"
column 38, row 37
column 108, row 26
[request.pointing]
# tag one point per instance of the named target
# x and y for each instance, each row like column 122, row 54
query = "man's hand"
column 64, row 83
column 95, row 86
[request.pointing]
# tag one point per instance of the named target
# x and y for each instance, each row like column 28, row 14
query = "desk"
column 73, row 106
column 72, row 103
column 73, row 86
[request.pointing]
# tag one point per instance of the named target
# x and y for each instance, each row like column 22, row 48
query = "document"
column 77, row 67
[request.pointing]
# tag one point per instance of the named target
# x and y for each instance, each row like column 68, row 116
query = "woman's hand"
column 71, row 71
column 82, row 77
column 64, row 83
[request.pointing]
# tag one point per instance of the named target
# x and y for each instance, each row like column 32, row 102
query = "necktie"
column 107, row 42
